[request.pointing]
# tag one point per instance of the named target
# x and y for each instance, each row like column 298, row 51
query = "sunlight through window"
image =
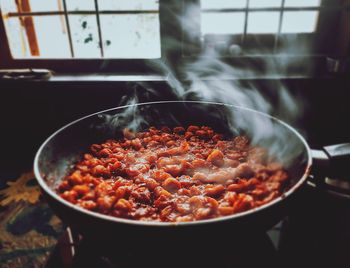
column 82, row 29
column 263, row 22
column 265, row 3
column 302, row 3
column 222, row 4
column 225, row 23
column 299, row 21
column 260, row 17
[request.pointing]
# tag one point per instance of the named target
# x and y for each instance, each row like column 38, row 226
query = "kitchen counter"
column 28, row 228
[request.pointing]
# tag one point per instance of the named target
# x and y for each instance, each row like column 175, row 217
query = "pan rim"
column 54, row 195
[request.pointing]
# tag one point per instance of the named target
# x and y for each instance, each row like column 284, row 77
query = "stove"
column 315, row 233
column 74, row 251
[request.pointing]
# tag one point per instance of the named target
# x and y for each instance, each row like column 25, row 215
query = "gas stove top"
column 74, row 251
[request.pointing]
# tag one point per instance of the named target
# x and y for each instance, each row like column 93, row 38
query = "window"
column 259, row 16
column 94, row 29
column 255, row 26
column 123, row 35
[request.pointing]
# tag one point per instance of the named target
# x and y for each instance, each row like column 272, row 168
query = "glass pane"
column 52, row 36
column 46, row 5
column 17, row 38
column 35, row 5
column 223, row 23
column 131, row 36
column 299, row 21
column 265, row 3
column 8, row 6
column 85, row 36
column 74, row 5
column 216, row 4
column 263, row 22
column 303, row 3
column 128, row 5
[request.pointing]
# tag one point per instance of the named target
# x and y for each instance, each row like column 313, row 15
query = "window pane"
column 8, row 6
column 302, row 3
column 299, row 21
column 131, row 36
column 35, row 5
column 128, row 5
column 80, row 4
column 46, row 5
column 222, row 23
column 52, row 36
column 16, row 38
column 85, row 36
column 216, row 4
column 265, row 3
column 263, row 22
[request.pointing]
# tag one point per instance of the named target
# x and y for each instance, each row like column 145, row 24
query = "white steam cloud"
column 207, row 77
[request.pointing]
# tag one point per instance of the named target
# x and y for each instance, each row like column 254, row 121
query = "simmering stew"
column 174, row 175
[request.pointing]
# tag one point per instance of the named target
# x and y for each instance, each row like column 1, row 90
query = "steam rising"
column 209, row 78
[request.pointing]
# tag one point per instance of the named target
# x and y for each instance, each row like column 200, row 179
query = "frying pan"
column 62, row 149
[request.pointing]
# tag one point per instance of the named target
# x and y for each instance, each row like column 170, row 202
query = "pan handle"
column 333, row 161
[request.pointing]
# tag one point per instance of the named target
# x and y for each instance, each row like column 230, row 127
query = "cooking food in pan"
column 174, row 175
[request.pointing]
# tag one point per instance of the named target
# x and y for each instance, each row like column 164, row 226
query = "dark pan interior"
column 64, row 148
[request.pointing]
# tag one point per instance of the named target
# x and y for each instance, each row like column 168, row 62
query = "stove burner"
column 336, row 187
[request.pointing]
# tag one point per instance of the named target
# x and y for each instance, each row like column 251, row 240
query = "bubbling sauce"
column 173, row 175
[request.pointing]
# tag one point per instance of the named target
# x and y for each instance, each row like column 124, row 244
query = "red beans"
column 123, row 204
column 88, row 204
column 179, row 130
column 215, row 190
column 172, row 185
column 75, row 178
column 173, row 175
column 81, row 189
column 216, row 157
column 142, row 195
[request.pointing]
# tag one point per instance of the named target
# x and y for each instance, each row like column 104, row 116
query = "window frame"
column 82, row 65
column 167, row 9
column 329, row 9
